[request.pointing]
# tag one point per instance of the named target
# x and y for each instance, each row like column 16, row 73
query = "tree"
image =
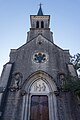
column 73, row 83
column 75, row 60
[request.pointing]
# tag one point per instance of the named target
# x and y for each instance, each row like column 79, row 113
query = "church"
column 31, row 82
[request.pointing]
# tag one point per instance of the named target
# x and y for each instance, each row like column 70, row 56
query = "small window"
column 42, row 24
column 40, row 57
column 37, row 24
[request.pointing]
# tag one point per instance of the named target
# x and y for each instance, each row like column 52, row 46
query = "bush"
column 72, row 84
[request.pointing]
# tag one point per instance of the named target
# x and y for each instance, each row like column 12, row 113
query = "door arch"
column 40, row 89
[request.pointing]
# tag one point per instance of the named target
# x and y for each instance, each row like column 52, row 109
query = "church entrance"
column 39, row 107
column 39, row 102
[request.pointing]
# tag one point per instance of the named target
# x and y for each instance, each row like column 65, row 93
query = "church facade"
column 31, row 82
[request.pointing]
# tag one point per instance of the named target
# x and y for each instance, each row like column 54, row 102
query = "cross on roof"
column 40, row 4
column 40, row 12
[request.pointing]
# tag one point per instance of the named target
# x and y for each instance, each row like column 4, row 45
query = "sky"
column 15, row 23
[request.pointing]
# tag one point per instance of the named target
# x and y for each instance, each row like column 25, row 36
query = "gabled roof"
column 44, row 38
column 40, row 12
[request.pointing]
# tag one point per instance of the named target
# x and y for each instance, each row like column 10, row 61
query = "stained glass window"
column 40, row 57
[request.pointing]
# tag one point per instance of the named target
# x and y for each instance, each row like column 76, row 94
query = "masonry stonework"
column 39, row 62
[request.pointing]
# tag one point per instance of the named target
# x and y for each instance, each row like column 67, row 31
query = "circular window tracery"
column 40, row 57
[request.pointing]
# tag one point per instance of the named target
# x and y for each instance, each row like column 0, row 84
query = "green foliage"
column 72, row 84
column 75, row 60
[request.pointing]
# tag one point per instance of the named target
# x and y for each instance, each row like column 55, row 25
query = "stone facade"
column 38, row 62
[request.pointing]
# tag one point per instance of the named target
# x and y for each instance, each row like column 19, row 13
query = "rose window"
column 40, row 57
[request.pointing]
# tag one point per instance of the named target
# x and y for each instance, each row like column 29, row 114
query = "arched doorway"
column 40, row 100
column 39, row 108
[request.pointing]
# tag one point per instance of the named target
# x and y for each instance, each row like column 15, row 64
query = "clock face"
column 39, row 57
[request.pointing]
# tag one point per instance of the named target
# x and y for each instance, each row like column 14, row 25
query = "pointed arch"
column 44, row 92
column 40, row 75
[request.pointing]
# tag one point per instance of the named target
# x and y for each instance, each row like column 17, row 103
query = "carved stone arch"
column 40, row 75
column 48, row 93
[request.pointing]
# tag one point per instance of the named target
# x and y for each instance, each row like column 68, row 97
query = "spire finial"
column 40, row 12
column 40, row 5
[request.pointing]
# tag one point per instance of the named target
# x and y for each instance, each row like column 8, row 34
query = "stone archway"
column 39, row 96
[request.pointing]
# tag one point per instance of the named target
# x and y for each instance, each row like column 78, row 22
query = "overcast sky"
column 15, row 22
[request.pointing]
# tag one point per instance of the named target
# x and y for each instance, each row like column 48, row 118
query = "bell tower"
column 40, row 25
column 40, row 21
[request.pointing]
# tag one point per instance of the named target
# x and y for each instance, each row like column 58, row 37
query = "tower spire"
column 40, row 12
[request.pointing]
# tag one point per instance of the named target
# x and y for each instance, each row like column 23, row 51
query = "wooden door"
column 39, row 107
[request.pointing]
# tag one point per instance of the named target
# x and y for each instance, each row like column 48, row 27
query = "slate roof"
column 40, row 12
